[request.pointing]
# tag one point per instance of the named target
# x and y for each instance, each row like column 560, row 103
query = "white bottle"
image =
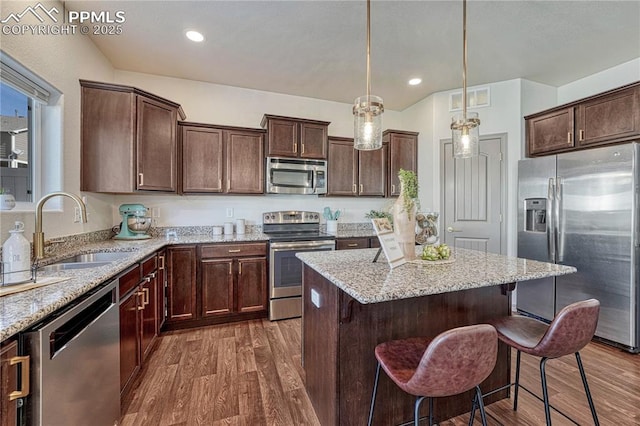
column 16, row 256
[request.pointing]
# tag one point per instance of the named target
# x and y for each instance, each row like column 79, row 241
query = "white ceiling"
column 317, row 48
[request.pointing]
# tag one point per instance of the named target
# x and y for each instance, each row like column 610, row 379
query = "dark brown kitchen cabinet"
column 10, row 369
column 252, row 284
column 181, row 288
column 354, row 243
column 221, row 159
column 128, row 139
column 606, row 118
column 162, row 289
column 139, row 307
column 295, row 137
column 217, row 289
column 355, row 173
column 403, row 154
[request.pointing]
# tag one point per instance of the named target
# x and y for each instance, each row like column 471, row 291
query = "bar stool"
column 570, row 331
column 453, row 362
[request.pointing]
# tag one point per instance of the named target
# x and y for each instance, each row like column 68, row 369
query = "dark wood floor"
column 249, row 373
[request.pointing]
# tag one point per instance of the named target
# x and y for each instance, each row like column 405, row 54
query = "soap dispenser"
column 16, row 256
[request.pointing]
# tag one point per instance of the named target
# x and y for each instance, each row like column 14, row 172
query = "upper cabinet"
column 355, row 173
column 403, row 154
column 221, row 159
column 129, row 139
column 295, row 137
column 610, row 117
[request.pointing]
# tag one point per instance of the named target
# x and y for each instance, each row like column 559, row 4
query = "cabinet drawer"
column 129, row 280
column 234, row 250
column 352, row 243
column 149, row 265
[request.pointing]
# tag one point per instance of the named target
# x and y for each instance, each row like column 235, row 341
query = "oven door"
column 285, row 278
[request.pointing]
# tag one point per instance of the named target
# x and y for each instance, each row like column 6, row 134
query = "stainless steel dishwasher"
column 76, row 363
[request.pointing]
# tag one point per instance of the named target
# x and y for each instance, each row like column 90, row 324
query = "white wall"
column 60, row 60
column 617, row 76
column 218, row 104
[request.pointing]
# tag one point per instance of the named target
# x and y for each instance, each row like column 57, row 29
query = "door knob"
column 451, row 229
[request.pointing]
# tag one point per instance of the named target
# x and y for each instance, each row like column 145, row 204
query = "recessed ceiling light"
column 415, row 81
column 194, row 36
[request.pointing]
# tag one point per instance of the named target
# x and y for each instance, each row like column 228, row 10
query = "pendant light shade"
column 465, row 131
column 368, row 109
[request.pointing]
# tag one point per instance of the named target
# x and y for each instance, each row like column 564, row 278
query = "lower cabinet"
column 357, row 243
column 139, row 307
column 8, row 383
column 230, row 283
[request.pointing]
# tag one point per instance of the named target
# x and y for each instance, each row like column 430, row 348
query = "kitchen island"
column 351, row 304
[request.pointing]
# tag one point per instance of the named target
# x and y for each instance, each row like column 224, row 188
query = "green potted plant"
column 404, row 213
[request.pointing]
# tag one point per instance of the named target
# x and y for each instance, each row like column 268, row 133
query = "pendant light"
column 464, row 127
column 368, row 109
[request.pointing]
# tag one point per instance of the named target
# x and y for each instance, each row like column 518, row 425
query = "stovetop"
column 299, row 236
column 293, row 225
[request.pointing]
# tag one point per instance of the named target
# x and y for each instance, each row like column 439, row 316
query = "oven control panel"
column 290, row 216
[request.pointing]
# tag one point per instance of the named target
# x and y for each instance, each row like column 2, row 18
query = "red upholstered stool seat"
column 453, row 362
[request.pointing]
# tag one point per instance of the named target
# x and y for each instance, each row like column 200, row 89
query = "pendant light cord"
column 368, row 51
column 464, row 60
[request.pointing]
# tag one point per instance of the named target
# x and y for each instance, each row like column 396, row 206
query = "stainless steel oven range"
column 290, row 232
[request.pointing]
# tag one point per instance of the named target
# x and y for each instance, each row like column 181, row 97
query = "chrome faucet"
column 38, row 235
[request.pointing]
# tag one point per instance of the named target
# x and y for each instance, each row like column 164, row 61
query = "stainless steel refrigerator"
column 581, row 209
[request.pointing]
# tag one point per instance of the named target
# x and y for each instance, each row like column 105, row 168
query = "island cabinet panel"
column 128, row 139
column 181, row 294
column 340, row 335
column 295, row 137
column 8, row 383
column 403, row 154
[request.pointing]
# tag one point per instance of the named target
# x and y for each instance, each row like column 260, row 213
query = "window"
column 26, row 104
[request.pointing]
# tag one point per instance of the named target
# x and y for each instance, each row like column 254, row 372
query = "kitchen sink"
column 83, row 261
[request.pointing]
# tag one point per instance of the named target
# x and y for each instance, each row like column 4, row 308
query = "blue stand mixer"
column 135, row 222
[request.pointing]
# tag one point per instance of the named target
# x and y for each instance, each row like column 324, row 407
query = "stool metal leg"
column 483, row 414
column 416, row 410
column 473, row 409
column 430, row 412
column 517, row 382
column 373, row 397
column 545, row 393
column 586, row 390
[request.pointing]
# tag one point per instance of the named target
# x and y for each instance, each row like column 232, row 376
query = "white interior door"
column 472, row 194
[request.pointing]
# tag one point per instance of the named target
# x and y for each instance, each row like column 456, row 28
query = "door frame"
column 503, row 185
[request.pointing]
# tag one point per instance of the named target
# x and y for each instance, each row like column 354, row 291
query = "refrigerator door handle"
column 551, row 247
column 559, row 228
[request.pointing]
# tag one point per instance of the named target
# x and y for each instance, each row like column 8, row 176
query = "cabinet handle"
column 24, row 376
column 230, row 269
column 354, row 190
column 568, row 137
column 393, row 188
column 161, row 263
column 581, row 135
column 361, row 188
column 302, row 145
column 220, row 183
column 295, row 148
column 234, row 250
column 153, row 275
column 140, row 179
column 228, row 184
column 145, row 296
column 239, row 268
column 353, row 245
column 138, row 294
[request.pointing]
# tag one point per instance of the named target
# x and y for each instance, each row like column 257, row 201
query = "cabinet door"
column 217, row 286
column 342, row 167
column 282, row 137
column 313, row 140
column 8, row 383
column 156, row 145
column 129, row 336
column 252, row 284
column 245, row 162
column 403, row 154
column 372, row 172
column 149, row 313
column 181, row 296
column 202, row 160
column 352, row 243
column 161, row 289
column 609, row 118
column 551, row 132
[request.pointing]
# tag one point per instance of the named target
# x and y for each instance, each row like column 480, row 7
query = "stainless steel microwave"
column 296, row 176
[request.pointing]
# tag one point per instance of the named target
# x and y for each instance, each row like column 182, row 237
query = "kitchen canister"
column 240, row 228
column 16, row 257
column 217, row 230
column 228, row 228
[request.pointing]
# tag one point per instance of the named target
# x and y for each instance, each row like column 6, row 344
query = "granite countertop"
column 19, row 311
column 356, row 233
column 353, row 272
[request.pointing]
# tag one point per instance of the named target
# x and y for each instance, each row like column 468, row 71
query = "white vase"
column 332, row 227
column 404, row 225
column 7, row 202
